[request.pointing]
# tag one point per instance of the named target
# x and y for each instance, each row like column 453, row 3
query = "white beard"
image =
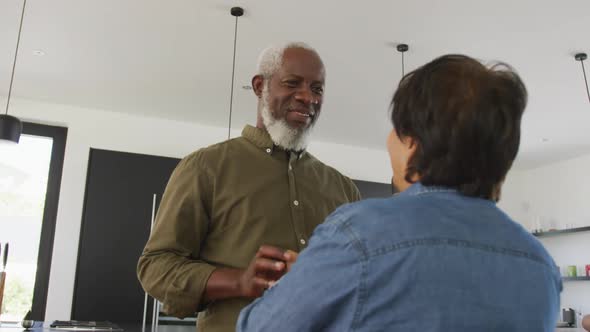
column 279, row 130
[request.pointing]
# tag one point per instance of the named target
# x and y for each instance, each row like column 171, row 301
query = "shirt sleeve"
column 320, row 292
column 355, row 192
column 169, row 268
column 352, row 191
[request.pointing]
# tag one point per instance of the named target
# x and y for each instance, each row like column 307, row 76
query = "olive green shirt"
column 220, row 205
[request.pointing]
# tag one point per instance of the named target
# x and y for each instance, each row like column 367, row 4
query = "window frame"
column 59, row 136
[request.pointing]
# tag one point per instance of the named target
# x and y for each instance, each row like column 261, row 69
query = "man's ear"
column 258, row 85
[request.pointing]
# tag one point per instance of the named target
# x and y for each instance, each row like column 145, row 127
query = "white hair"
column 271, row 59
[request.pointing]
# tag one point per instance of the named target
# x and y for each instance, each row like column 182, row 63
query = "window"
column 30, row 176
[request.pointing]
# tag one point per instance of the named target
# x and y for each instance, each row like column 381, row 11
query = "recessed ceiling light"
column 246, row 87
column 38, row 53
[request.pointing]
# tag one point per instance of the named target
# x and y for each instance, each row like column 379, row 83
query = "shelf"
column 562, row 231
column 575, row 278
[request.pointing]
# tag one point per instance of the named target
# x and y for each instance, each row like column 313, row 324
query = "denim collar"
column 419, row 189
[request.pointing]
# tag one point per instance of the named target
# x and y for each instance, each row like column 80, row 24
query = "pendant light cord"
column 233, row 72
column 403, row 65
column 20, row 28
column 585, row 79
column 403, row 48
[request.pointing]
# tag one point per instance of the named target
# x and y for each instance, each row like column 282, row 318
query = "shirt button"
column 296, row 202
column 302, row 241
column 268, row 150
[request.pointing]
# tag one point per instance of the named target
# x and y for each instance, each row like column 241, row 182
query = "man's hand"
column 290, row 258
column 268, row 266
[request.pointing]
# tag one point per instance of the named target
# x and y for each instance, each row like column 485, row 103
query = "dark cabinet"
column 116, row 222
column 373, row 189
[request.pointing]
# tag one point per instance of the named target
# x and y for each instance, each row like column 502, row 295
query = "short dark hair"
column 465, row 119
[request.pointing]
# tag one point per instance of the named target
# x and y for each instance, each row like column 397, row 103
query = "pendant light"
column 235, row 12
column 581, row 57
column 403, row 48
column 11, row 127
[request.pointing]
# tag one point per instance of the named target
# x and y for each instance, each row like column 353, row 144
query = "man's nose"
column 306, row 96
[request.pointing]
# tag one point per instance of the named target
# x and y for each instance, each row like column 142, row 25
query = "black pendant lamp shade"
column 10, row 128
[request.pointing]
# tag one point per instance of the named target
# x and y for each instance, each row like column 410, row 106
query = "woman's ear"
column 410, row 143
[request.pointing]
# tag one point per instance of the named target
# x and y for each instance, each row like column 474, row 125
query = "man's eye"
column 318, row 90
column 291, row 83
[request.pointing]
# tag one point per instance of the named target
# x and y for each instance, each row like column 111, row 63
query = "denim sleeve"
column 320, row 293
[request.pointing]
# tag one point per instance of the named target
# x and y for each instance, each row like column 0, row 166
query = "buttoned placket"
column 296, row 207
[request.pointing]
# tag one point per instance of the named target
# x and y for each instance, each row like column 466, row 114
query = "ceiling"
column 173, row 59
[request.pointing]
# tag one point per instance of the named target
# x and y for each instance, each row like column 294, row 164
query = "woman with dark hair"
column 462, row 121
column 440, row 255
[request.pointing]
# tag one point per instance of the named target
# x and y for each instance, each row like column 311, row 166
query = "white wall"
column 115, row 131
column 511, row 197
column 556, row 196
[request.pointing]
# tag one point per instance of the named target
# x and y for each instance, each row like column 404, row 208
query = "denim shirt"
column 428, row 259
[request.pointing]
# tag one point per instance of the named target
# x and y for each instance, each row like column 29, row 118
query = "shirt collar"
column 418, row 189
column 262, row 139
column 258, row 137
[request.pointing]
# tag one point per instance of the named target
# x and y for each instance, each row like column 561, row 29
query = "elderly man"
column 440, row 255
column 234, row 214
